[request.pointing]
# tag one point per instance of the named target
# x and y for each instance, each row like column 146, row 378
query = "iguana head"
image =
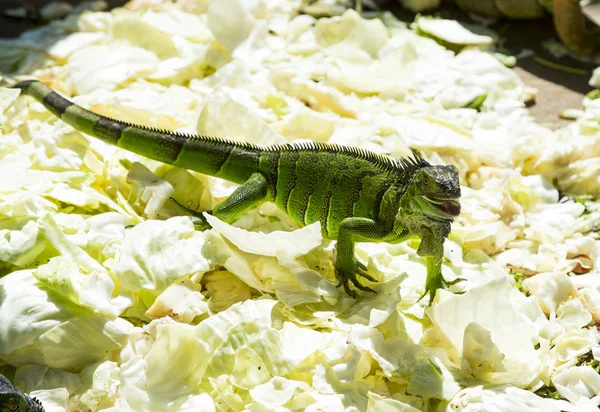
column 11, row 399
column 435, row 192
column 13, row 402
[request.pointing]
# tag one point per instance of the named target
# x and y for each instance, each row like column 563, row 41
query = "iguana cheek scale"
column 356, row 195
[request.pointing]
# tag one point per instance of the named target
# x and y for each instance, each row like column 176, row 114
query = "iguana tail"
column 227, row 159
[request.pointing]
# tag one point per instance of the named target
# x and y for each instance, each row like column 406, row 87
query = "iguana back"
column 310, row 181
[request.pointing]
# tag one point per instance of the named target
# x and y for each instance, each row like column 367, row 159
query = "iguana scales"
column 13, row 400
column 356, row 195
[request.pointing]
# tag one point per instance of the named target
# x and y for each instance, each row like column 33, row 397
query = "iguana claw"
column 366, row 276
column 454, row 282
column 435, row 280
column 345, row 275
column 431, row 287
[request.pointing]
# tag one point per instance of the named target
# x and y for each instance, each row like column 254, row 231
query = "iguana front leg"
column 432, row 247
column 351, row 230
column 251, row 193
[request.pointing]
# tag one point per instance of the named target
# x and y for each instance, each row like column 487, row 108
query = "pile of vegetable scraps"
column 111, row 301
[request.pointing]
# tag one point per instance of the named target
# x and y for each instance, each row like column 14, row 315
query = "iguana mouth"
column 449, row 206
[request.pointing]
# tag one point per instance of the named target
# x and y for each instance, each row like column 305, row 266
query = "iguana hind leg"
column 351, row 230
column 251, row 193
column 198, row 219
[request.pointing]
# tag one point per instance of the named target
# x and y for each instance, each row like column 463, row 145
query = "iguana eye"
column 12, row 407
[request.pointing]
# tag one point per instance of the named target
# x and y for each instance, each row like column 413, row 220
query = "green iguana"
column 356, row 195
column 13, row 400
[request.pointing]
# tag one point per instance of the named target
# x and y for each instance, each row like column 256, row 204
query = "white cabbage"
column 40, row 326
column 578, row 384
column 7, row 98
column 224, row 104
column 247, row 316
column 95, row 290
column 55, row 400
column 352, row 30
column 504, row 399
column 295, row 243
column 595, row 80
column 99, row 385
column 452, row 32
column 181, row 301
column 484, row 326
column 155, row 254
column 106, row 67
column 62, row 49
column 231, row 22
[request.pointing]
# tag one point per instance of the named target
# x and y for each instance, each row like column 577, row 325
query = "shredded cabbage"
column 111, row 300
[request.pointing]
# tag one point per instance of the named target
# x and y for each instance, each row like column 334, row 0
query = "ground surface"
column 556, row 90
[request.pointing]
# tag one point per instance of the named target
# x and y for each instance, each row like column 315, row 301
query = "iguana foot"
column 433, row 283
column 200, row 223
column 198, row 219
column 347, row 273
